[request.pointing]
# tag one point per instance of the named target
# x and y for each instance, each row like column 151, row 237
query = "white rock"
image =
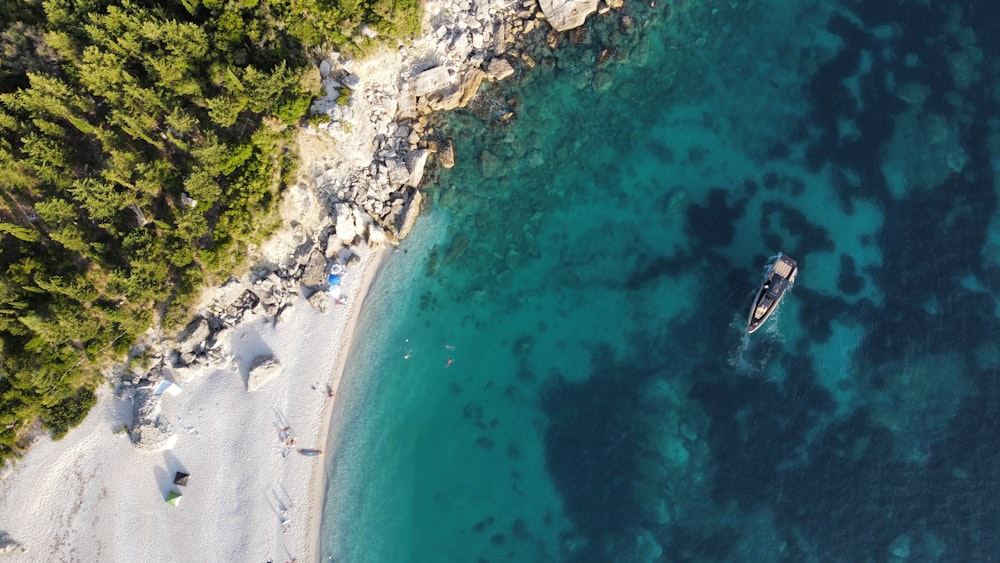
column 567, row 14
column 407, row 105
column 347, row 230
column 431, row 81
column 461, row 45
column 376, row 237
column 500, row 39
column 499, row 69
column 333, row 246
column 265, row 368
column 410, row 214
column 195, row 336
column 398, row 173
column 415, row 161
column 320, row 301
column 362, row 220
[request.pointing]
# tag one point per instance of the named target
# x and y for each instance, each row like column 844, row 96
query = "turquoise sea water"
column 554, row 366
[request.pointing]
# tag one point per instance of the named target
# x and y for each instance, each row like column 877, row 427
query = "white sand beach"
column 251, row 496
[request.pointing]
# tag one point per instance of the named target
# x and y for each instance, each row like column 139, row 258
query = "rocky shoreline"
column 369, row 142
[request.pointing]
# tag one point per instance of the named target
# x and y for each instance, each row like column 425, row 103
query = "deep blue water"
column 554, row 366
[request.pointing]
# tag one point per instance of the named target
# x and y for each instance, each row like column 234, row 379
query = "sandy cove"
column 93, row 496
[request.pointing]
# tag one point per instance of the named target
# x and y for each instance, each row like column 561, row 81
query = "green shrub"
column 344, row 96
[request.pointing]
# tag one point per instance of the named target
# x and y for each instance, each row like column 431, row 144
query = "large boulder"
column 415, row 162
column 412, row 210
column 346, row 227
column 320, row 301
column 265, row 368
column 499, row 69
column 397, row 171
column 315, row 271
column 431, row 81
column 567, row 14
column 195, row 336
column 459, row 94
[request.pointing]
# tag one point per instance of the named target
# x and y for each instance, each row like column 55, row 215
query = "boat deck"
column 782, row 268
column 779, row 277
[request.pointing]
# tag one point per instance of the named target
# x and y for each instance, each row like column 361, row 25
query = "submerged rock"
column 491, row 165
column 446, row 155
column 900, row 547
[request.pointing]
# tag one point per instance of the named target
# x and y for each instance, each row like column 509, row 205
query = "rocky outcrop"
column 441, row 71
column 464, row 43
column 437, row 94
column 148, row 430
column 567, row 14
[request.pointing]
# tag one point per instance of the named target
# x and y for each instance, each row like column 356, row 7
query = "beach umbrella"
column 181, row 478
column 174, row 498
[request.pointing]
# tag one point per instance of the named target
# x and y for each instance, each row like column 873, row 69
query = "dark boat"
column 780, row 276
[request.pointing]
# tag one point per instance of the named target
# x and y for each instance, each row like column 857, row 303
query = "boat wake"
column 751, row 354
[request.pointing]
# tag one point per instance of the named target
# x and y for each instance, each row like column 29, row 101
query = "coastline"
column 94, row 496
column 318, row 477
column 251, row 496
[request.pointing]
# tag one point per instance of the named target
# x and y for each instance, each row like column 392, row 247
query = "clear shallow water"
column 554, row 367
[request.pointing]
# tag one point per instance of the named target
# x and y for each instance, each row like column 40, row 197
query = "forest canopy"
column 143, row 148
